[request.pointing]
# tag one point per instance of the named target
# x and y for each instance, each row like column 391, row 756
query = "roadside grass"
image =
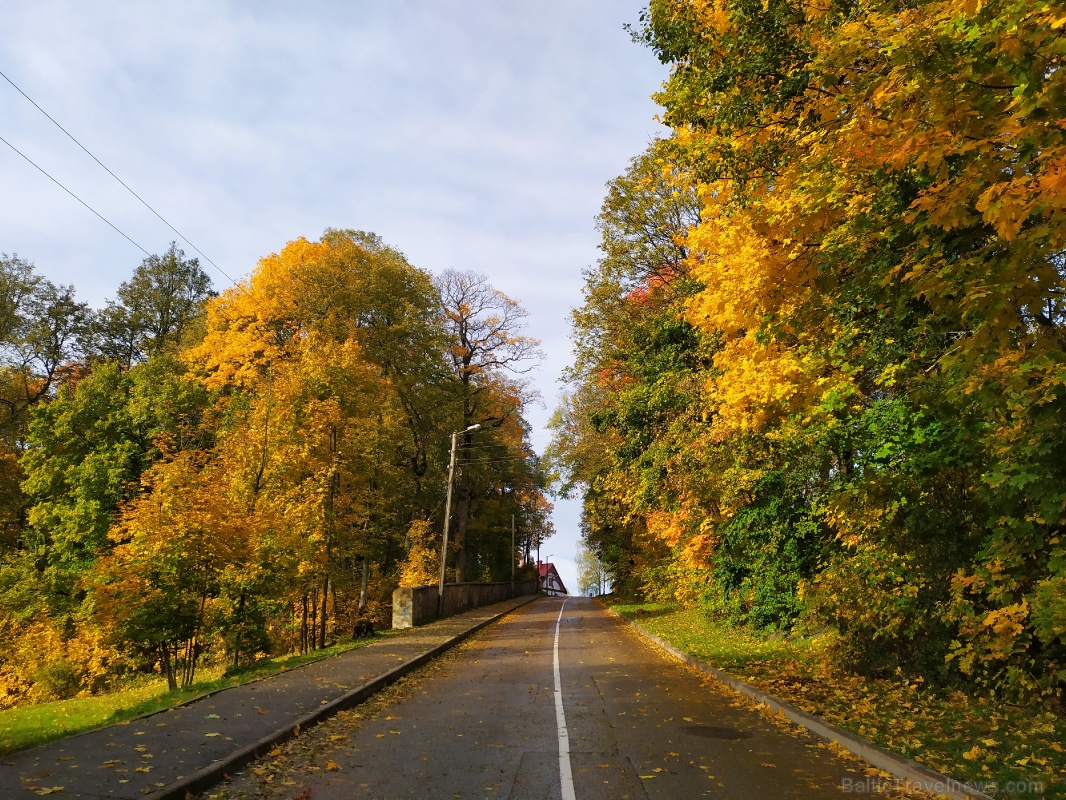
column 27, row 726
column 1017, row 749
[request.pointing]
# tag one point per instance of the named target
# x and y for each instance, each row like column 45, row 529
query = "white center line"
column 566, row 775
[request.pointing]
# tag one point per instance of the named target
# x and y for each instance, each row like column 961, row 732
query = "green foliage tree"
column 155, row 311
column 41, row 332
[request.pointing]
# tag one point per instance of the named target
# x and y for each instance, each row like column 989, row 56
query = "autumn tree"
column 156, row 588
column 880, row 252
column 327, row 361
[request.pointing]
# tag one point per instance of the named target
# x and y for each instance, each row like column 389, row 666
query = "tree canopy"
column 835, row 394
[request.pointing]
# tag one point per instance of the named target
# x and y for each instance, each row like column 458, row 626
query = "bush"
column 56, row 680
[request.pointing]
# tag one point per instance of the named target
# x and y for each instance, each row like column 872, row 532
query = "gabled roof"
column 546, row 568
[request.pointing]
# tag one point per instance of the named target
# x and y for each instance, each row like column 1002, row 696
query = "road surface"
column 488, row 722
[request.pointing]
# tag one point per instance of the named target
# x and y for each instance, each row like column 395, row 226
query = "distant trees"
column 224, row 476
column 591, row 577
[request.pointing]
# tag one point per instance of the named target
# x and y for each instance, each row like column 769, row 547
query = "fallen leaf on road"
column 772, row 766
column 332, row 766
column 212, row 734
column 302, row 795
column 648, row 777
column 260, row 711
column 211, row 716
column 52, row 790
column 144, row 769
column 275, row 752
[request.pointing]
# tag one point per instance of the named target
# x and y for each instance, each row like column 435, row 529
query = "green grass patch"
column 27, row 726
column 979, row 739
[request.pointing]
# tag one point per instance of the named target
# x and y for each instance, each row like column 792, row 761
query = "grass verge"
column 27, row 726
column 1010, row 750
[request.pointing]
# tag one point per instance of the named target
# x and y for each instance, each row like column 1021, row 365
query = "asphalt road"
column 487, row 723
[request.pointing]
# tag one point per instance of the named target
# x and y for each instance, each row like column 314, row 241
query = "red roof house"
column 550, row 582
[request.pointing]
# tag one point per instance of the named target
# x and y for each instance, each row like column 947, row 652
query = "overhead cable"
column 65, row 189
column 117, row 178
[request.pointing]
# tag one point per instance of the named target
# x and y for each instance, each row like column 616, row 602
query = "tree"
column 41, row 331
column 485, row 347
column 591, row 578
column 320, row 362
column 156, row 310
column 880, row 253
column 87, row 451
column 155, row 589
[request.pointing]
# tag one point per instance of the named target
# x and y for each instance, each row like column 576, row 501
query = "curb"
column 188, row 787
column 913, row 774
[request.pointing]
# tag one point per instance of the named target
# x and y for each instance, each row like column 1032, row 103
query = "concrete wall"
column 417, row 605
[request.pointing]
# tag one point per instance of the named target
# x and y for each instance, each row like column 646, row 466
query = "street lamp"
column 448, row 516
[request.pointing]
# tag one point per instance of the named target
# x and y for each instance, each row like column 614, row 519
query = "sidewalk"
column 168, row 753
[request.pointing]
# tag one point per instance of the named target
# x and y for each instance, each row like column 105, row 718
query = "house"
column 550, row 582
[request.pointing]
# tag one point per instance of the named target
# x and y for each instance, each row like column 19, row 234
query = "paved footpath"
column 148, row 757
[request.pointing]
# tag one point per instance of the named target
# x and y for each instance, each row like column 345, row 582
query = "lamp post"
column 448, row 516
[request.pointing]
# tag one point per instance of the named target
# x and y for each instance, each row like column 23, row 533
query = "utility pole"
column 447, row 519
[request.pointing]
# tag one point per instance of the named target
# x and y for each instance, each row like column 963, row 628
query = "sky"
column 469, row 135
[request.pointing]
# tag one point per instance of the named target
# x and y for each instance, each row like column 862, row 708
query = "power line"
column 117, row 178
column 65, row 189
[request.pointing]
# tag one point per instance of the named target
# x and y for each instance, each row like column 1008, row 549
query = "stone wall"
column 417, row 605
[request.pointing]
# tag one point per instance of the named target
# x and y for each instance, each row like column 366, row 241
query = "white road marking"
column 566, row 775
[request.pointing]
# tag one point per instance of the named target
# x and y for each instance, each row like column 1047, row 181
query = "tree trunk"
column 240, row 630
column 362, row 585
column 303, row 624
column 462, row 516
column 325, row 606
column 168, row 666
